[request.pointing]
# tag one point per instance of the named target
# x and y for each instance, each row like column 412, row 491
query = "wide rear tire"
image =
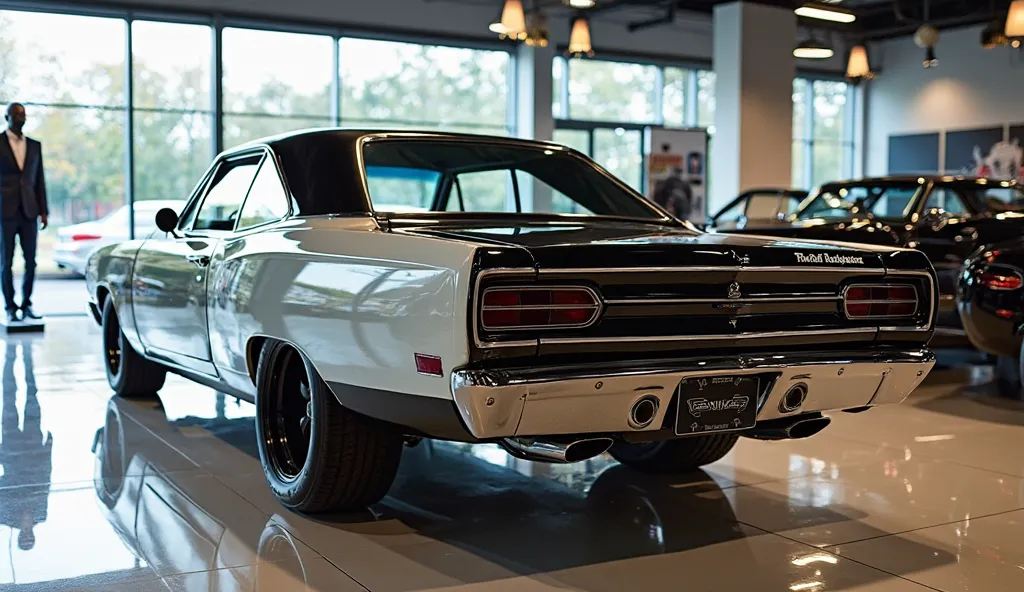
column 1008, row 373
column 674, row 456
column 129, row 374
column 318, row 456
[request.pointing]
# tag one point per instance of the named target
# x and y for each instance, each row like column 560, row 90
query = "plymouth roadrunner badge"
column 699, row 405
column 826, row 258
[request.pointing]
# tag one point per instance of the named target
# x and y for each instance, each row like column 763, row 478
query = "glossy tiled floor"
column 98, row 493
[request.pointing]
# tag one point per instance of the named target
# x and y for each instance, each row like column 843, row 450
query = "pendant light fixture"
column 858, row 67
column 1015, row 23
column 536, row 29
column 512, row 22
column 814, row 49
column 579, row 39
column 580, row 3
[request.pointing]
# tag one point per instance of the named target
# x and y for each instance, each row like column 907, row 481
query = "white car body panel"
column 347, row 296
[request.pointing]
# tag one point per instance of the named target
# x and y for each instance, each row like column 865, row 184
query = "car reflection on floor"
column 502, row 517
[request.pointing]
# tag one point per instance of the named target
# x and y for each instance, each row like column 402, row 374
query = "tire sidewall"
column 110, row 315
column 291, row 493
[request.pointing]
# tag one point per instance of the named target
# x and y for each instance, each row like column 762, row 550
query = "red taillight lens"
column 84, row 237
column 538, row 308
column 1000, row 280
column 880, row 301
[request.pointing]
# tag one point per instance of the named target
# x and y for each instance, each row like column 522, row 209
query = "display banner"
column 677, row 171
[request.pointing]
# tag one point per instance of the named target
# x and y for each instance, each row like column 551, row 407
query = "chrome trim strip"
column 721, row 268
column 669, row 338
column 751, row 300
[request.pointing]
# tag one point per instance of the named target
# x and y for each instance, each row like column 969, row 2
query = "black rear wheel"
column 128, row 373
column 318, row 456
column 674, row 456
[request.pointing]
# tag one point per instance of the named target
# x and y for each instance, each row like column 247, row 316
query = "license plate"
column 716, row 404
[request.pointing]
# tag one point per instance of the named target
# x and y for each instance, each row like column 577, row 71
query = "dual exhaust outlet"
column 570, row 449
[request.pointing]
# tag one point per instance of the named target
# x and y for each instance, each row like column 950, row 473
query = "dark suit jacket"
column 31, row 181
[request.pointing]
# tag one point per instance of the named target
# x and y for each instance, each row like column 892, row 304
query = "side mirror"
column 166, row 220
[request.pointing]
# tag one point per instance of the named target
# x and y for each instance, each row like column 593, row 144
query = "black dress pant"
column 27, row 231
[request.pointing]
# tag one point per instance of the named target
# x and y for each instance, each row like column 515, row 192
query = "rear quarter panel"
column 109, row 270
column 357, row 301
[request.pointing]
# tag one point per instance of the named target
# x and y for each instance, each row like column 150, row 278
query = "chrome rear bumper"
column 597, row 399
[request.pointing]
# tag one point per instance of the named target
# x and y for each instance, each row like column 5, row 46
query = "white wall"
column 971, row 88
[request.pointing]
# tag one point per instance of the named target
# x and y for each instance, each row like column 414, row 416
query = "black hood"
column 616, row 244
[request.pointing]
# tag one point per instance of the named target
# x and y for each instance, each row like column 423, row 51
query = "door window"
column 732, row 214
column 223, row 201
column 267, row 201
column 946, row 199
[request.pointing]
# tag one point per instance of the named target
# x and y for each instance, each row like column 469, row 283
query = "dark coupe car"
column 990, row 297
column 945, row 217
column 767, row 205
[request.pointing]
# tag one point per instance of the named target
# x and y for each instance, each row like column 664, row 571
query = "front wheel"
column 318, row 456
column 674, row 456
column 128, row 373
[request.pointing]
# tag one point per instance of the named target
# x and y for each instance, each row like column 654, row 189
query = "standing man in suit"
column 23, row 204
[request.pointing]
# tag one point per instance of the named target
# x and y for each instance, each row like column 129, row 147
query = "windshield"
column 463, row 176
column 845, row 202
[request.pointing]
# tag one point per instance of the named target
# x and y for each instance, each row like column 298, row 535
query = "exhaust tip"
column 584, row 449
column 808, row 428
column 643, row 412
column 793, row 398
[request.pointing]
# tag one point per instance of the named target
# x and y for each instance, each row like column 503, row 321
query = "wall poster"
column 981, row 152
column 677, row 171
column 914, row 154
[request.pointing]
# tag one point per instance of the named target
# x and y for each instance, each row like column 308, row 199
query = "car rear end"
column 755, row 337
column 75, row 243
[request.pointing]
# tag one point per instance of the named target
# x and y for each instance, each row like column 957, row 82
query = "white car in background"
column 77, row 241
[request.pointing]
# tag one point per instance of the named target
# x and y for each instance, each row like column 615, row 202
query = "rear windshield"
column 408, row 176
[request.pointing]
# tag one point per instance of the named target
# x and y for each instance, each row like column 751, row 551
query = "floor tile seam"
column 861, row 563
column 920, row 528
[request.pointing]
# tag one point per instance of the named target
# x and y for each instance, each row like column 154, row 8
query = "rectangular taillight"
column 865, row 301
column 558, row 307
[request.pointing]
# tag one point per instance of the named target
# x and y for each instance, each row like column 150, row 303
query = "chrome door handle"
column 199, row 260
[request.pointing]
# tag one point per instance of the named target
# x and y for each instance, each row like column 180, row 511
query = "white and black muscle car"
column 368, row 289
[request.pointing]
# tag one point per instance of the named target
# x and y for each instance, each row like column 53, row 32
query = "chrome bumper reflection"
column 594, row 399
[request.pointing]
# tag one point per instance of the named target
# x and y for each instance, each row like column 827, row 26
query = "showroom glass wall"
column 602, row 106
column 823, row 147
column 106, row 94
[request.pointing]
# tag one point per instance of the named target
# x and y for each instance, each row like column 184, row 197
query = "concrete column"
column 534, row 119
column 754, row 65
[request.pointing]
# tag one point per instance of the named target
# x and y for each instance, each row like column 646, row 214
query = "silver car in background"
column 76, row 242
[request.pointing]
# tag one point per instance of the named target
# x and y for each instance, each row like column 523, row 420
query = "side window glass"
column 763, row 207
column 733, row 213
column 224, row 199
column 267, row 201
column 946, row 199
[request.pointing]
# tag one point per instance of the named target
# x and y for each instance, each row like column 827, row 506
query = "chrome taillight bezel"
column 596, row 308
column 846, row 301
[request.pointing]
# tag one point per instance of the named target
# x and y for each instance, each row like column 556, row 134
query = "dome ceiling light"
column 580, row 3
column 825, row 12
column 813, row 49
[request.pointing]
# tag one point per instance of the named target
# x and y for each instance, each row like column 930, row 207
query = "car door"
column 171, row 271
column 946, row 233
